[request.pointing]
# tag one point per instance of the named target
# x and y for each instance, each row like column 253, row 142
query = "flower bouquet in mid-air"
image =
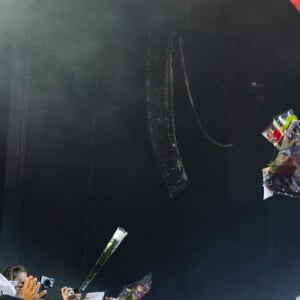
column 136, row 290
column 283, row 174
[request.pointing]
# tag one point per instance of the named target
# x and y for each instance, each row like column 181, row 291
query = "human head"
column 18, row 274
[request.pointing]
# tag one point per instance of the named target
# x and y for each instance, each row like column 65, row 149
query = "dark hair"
column 11, row 272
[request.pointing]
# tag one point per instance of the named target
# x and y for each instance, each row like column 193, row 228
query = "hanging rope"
column 190, row 96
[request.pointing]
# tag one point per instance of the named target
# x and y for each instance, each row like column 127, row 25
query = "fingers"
column 32, row 282
column 32, row 286
column 29, row 285
column 41, row 295
column 63, row 290
column 30, row 289
column 69, row 294
column 26, row 282
column 69, row 291
column 36, row 286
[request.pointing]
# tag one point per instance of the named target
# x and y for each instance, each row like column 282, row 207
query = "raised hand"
column 31, row 288
column 69, row 294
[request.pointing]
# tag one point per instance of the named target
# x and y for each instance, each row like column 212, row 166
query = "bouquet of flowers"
column 283, row 174
column 136, row 290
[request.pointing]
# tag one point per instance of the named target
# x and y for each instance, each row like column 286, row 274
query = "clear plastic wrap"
column 136, row 290
column 283, row 174
column 274, row 133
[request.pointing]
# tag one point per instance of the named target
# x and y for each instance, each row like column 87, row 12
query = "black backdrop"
column 89, row 165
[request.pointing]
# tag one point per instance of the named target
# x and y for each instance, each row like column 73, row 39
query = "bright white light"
column 119, row 234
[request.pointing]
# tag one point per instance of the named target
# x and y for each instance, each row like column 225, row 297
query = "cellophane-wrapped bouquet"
column 283, row 174
column 136, row 290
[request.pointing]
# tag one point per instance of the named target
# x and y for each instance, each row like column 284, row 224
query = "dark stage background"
column 85, row 160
